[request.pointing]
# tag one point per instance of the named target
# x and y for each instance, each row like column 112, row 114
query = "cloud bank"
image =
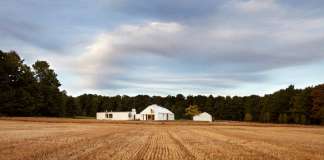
column 168, row 47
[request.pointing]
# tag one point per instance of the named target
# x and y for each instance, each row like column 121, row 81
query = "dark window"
column 109, row 115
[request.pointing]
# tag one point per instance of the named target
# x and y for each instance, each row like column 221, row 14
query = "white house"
column 117, row 115
column 203, row 117
column 155, row 112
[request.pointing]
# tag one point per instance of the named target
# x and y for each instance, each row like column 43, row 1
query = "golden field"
column 67, row 139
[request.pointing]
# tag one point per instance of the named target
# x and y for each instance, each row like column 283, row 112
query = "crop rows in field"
column 37, row 140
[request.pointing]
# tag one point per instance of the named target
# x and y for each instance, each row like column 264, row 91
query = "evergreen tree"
column 72, row 108
column 219, row 107
column 17, row 86
column 302, row 105
column 179, row 107
column 50, row 97
column 252, row 107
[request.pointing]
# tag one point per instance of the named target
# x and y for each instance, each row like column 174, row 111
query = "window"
column 109, row 115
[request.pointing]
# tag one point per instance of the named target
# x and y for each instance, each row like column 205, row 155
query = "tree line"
column 34, row 91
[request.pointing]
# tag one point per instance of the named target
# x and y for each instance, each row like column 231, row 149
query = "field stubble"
column 29, row 140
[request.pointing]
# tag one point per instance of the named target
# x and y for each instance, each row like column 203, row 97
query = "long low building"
column 117, row 115
column 152, row 112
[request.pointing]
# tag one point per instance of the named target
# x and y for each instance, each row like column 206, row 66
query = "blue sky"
column 165, row 47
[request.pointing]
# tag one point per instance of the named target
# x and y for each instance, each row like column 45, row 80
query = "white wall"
column 164, row 116
column 171, row 116
column 115, row 116
column 100, row 115
column 203, row 117
column 158, row 116
column 137, row 117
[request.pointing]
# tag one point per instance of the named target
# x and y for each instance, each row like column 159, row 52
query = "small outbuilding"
column 203, row 117
column 155, row 112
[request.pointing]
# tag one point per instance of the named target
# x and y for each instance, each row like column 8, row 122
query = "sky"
column 166, row 47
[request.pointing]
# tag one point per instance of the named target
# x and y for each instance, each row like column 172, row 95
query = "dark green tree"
column 51, row 102
column 252, row 107
column 219, row 108
column 17, row 86
column 302, row 105
column 179, row 107
column 72, row 107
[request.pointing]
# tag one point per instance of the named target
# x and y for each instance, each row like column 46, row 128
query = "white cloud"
column 298, row 30
column 104, row 56
column 253, row 6
column 124, row 57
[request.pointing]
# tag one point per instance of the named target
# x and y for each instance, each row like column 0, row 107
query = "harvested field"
column 50, row 138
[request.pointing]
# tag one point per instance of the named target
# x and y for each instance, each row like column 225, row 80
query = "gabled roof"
column 155, row 109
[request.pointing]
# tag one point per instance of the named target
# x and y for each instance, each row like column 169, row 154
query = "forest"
column 34, row 91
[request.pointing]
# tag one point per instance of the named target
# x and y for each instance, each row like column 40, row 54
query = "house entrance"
column 150, row 117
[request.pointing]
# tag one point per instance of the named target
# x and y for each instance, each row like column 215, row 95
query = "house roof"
column 155, row 109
